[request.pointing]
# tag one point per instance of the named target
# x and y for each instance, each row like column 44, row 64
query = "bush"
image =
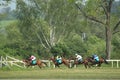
column 95, row 46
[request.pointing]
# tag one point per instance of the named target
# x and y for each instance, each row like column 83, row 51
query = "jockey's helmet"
column 76, row 54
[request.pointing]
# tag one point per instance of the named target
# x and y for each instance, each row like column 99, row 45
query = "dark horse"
column 74, row 62
column 64, row 61
column 39, row 63
column 88, row 62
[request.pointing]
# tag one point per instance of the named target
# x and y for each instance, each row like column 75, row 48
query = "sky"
column 12, row 4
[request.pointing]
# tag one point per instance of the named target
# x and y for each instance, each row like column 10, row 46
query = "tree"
column 100, row 12
column 49, row 21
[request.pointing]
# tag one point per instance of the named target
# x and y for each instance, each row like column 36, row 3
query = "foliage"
column 60, row 49
column 49, row 27
column 116, row 46
column 95, row 45
column 2, row 53
column 76, row 44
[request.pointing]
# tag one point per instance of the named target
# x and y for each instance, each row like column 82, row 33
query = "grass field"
column 103, row 73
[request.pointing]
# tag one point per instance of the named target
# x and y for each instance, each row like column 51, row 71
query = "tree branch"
column 115, row 32
column 102, row 5
column 116, row 26
column 88, row 16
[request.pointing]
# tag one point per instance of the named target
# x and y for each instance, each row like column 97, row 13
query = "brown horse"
column 39, row 63
column 64, row 61
column 88, row 62
column 74, row 62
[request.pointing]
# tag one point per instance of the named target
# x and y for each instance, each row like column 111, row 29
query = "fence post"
column 6, row 60
column 112, row 64
column 49, row 63
column 54, row 66
column 70, row 64
column 117, row 65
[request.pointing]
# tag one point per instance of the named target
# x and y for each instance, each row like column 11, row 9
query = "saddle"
column 59, row 61
column 34, row 62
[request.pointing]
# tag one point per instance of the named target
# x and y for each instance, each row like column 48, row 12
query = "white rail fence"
column 113, row 62
column 10, row 61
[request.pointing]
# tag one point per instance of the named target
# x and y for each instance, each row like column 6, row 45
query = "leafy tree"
column 49, row 25
column 100, row 12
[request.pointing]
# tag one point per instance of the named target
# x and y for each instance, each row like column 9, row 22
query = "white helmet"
column 76, row 54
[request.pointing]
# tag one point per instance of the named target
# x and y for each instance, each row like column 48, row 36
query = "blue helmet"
column 94, row 55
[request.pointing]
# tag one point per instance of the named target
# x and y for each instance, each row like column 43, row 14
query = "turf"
column 62, row 73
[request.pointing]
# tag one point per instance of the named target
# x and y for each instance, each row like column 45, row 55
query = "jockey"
column 79, row 58
column 33, row 59
column 58, row 59
column 95, row 57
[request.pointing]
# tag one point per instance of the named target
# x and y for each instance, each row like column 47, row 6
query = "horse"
column 39, row 63
column 74, row 62
column 64, row 61
column 90, row 62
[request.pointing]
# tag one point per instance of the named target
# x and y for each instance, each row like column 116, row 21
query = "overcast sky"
column 12, row 4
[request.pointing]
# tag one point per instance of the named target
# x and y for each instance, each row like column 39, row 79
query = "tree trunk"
column 108, row 31
column 106, row 6
column 108, row 42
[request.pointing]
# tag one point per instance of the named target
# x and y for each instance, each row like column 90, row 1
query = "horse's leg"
column 89, row 66
column 99, row 65
column 72, row 65
column 39, row 66
column 67, row 64
column 85, row 65
column 92, row 64
column 27, row 66
column 57, row 65
column 45, row 64
column 75, row 64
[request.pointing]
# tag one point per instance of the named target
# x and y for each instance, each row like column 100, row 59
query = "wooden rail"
column 113, row 61
column 13, row 61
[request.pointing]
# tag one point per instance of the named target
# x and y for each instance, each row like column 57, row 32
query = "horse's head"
column 103, row 60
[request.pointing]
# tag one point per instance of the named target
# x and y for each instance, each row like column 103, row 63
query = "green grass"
column 62, row 73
